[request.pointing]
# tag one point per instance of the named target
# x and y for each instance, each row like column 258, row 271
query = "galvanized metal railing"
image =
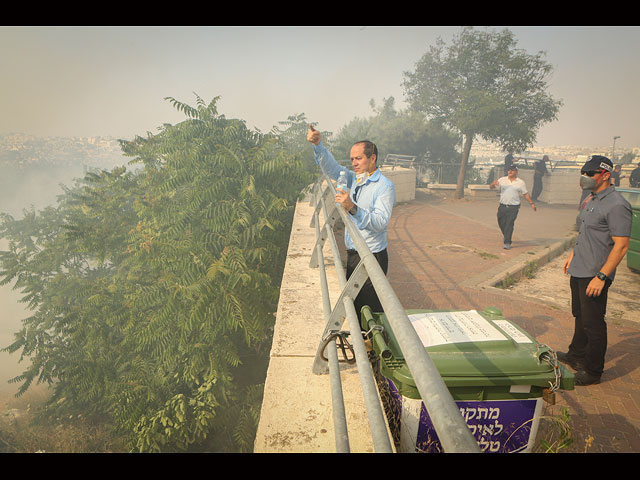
column 452, row 430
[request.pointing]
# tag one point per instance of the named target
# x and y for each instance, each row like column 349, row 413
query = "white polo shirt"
column 510, row 191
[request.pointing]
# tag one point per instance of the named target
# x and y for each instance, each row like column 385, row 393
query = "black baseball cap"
column 513, row 166
column 597, row 162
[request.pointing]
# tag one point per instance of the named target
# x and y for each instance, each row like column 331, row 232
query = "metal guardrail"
column 452, row 430
column 395, row 160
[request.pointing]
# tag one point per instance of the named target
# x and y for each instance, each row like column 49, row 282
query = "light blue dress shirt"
column 375, row 199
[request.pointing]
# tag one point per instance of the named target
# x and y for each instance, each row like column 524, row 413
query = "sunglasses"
column 591, row 174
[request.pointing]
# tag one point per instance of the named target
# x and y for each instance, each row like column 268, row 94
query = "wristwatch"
column 601, row 276
column 353, row 210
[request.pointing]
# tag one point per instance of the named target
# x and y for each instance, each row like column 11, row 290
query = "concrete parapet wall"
column 560, row 187
column 404, row 179
column 482, row 192
column 296, row 414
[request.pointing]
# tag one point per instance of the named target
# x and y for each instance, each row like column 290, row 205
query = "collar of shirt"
column 374, row 177
column 604, row 193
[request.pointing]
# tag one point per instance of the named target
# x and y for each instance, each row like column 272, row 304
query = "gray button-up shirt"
column 607, row 214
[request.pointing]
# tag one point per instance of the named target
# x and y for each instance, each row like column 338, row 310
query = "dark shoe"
column 573, row 362
column 584, row 378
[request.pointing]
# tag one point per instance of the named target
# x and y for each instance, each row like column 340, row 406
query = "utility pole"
column 613, row 157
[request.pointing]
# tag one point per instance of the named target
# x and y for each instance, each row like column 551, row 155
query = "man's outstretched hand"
column 313, row 135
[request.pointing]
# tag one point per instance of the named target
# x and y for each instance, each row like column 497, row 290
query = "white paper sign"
column 513, row 332
column 439, row 328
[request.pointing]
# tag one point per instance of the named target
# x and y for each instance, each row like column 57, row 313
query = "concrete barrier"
column 404, row 180
column 296, row 414
column 560, row 187
column 483, row 192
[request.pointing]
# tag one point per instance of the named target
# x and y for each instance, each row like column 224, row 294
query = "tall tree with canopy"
column 482, row 85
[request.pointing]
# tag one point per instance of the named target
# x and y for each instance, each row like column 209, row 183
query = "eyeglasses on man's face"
column 592, row 173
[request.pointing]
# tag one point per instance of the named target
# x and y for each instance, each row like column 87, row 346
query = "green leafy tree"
column 404, row 132
column 482, row 85
column 153, row 291
column 293, row 135
column 355, row 130
column 408, row 132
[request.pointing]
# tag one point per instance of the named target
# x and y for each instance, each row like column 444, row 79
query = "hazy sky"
column 111, row 81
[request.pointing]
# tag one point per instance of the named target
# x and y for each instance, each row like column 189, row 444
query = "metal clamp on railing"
column 344, row 345
column 451, row 427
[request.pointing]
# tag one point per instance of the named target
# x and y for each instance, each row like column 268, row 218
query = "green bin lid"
column 470, row 349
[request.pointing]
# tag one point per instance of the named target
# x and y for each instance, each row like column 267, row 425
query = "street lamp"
column 613, row 157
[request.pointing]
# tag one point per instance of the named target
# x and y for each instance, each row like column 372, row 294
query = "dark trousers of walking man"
column 507, row 215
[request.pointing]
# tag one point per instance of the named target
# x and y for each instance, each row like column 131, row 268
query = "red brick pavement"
column 432, row 252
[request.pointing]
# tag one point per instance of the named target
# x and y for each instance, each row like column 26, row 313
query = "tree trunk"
column 468, row 141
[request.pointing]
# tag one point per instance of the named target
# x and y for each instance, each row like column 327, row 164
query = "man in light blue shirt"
column 369, row 202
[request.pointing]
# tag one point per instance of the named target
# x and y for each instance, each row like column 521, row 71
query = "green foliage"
column 153, row 290
column 558, row 434
column 483, row 85
column 402, row 132
column 293, row 135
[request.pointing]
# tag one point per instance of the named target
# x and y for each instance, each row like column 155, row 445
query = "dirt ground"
column 551, row 285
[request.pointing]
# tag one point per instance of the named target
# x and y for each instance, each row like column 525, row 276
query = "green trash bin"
column 496, row 372
column 633, row 254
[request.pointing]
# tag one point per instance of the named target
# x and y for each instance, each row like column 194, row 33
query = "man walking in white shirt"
column 511, row 187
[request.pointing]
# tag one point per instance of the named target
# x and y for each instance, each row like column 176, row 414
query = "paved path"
column 443, row 254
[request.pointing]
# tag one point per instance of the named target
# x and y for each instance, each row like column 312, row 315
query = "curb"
column 516, row 269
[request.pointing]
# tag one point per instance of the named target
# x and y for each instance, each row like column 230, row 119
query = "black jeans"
column 367, row 295
column 507, row 215
column 537, row 187
column 589, row 342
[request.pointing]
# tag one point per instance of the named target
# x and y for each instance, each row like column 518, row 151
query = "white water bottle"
column 342, row 182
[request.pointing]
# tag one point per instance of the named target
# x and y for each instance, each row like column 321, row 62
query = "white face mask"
column 362, row 177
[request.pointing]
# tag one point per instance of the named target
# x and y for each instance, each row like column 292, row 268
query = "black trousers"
column 589, row 342
column 367, row 295
column 537, row 187
column 507, row 215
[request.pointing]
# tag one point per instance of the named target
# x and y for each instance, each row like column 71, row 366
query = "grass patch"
column 530, row 269
column 486, row 255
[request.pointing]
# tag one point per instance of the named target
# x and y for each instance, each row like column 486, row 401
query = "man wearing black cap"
column 508, row 161
column 511, row 187
column 539, row 171
column 603, row 241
